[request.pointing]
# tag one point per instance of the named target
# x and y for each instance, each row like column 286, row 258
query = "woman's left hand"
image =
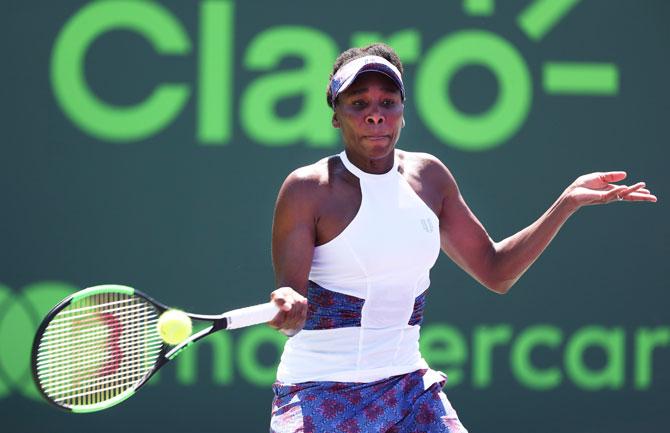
column 599, row 188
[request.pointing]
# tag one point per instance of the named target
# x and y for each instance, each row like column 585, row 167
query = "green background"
column 189, row 222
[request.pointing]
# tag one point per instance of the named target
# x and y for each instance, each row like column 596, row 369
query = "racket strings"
column 81, row 320
column 65, row 363
column 67, row 314
column 97, row 394
column 61, row 363
column 97, row 348
column 133, row 344
column 65, row 389
column 90, row 338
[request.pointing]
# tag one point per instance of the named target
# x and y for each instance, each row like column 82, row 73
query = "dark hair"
column 378, row 49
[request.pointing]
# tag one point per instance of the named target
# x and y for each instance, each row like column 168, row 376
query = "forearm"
column 498, row 265
column 515, row 254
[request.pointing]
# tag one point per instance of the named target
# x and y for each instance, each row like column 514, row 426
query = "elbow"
column 500, row 287
column 500, row 279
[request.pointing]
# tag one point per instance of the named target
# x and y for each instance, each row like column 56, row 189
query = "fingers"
column 614, row 194
column 610, row 187
column 283, row 298
column 638, row 186
column 600, row 180
column 618, row 192
column 624, row 189
column 612, row 176
column 292, row 309
column 636, row 192
column 595, row 188
column 637, row 196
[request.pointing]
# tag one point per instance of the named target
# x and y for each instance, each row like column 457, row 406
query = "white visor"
column 348, row 73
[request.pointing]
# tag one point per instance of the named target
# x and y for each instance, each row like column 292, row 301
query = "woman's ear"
column 334, row 121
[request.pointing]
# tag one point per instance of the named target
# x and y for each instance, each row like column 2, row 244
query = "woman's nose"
column 374, row 119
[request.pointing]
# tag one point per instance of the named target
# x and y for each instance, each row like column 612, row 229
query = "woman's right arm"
column 293, row 240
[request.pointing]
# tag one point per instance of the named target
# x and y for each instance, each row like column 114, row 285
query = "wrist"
column 567, row 203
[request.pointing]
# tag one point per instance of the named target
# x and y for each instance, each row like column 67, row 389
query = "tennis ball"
column 174, row 326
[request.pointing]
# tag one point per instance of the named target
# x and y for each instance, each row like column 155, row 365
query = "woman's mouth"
column 376, row 137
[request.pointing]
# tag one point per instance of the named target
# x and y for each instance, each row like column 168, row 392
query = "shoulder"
column 421, row 161
column 309, row 183
column 308, row 177
column 426, row 168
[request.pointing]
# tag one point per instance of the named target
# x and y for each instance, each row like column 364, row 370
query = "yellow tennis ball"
column 174, row 326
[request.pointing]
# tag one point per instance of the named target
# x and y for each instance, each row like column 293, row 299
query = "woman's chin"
column 379, row 148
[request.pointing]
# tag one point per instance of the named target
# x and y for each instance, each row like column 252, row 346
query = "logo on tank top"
column 427, row 225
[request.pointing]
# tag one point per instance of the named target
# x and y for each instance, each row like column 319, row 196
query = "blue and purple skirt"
column 412, row 402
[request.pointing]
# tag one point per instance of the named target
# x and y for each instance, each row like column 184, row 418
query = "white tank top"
column 383, row 257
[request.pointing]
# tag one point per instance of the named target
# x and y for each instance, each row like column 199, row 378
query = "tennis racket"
column 98, row 346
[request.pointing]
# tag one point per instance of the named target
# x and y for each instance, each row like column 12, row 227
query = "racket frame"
column 166, row 353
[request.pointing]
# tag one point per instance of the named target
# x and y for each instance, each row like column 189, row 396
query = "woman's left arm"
column 498, row 265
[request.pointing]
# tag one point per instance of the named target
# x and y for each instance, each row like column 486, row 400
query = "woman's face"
column 370, row 114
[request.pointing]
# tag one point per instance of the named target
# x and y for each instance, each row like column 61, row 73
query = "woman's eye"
column 358, row 103
column 388, row 102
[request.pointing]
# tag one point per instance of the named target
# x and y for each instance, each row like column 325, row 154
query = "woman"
column 354, row 238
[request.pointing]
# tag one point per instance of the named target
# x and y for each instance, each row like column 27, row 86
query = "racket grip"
column 253, row 315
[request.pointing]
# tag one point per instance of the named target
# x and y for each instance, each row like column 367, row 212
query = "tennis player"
column 354, row 238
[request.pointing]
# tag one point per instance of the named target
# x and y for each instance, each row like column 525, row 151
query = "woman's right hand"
column 292, row 310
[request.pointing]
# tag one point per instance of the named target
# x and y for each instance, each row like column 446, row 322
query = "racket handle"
column 253, row 315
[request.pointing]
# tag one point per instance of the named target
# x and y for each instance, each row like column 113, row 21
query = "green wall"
column 143, row 143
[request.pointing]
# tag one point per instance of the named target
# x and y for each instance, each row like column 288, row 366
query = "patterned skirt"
column 412, row 402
